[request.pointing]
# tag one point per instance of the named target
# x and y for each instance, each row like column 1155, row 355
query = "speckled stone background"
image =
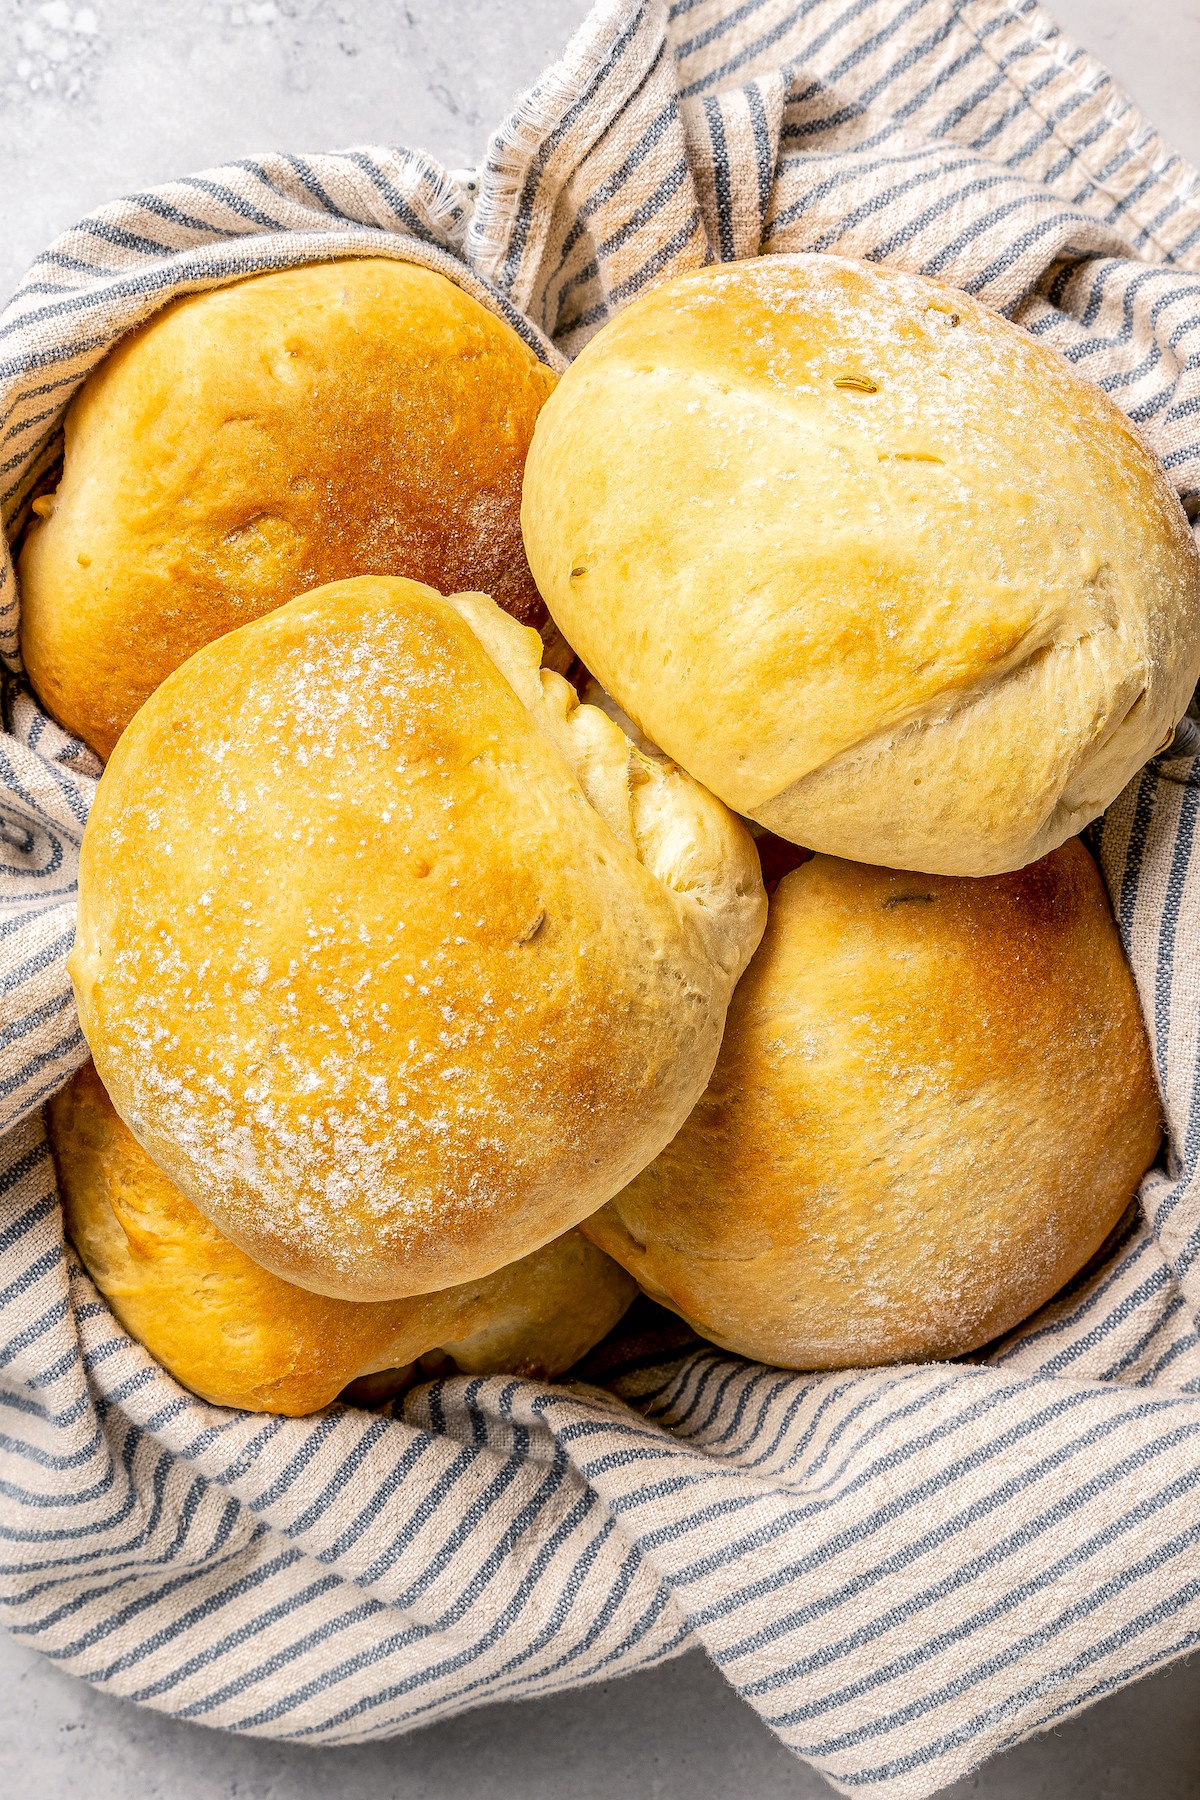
column 101, row 98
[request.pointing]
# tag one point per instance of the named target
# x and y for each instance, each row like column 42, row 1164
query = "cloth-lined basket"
column 902, row 1570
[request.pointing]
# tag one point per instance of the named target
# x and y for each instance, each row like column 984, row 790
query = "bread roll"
column 395, row 959
column 261, row 439
column 870, row 562
column 933, row 1103
column 239, row 1336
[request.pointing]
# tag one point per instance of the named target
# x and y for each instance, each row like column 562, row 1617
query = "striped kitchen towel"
column 902, row 1570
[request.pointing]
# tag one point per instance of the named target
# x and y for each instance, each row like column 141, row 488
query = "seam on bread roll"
column 1064, row 793
column 683, row 835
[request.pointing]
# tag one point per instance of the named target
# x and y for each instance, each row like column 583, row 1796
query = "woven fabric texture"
column 903, row 1570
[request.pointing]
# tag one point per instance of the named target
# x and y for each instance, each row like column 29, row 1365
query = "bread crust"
column 239, row 1336
column 250, row 443
column 872, row 563
column 395, row 959
column 933, row 1103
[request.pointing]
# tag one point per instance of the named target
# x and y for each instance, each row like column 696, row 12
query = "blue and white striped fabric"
column 903, row 1570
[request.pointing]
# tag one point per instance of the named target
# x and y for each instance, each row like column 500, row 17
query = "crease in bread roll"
column 873, row 564
column 933, row 1103
column 396, row 959
column 691, row 846
column 239, row 1336
column 266, row 437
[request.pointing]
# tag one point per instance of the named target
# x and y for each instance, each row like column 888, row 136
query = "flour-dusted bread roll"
column 348, row 418
column 873, row 564
column 239, row 1336
column 933, row 1103
column 397, row 960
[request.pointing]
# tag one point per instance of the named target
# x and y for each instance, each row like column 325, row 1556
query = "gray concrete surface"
column 97, row 99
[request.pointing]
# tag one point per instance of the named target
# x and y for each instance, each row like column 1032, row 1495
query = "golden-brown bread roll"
column 872, row 563
column 252, row 442
column 933, row 1103
column 239, row 1336
column 397, row 960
